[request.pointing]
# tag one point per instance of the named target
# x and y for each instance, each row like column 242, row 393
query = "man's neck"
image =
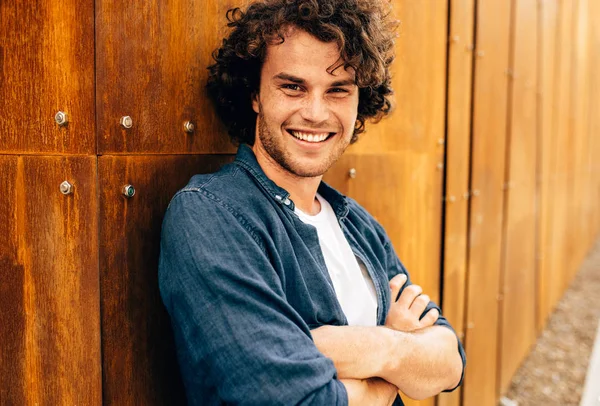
column 302, row 190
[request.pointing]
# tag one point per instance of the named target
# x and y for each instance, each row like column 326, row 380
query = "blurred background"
column 486, row 177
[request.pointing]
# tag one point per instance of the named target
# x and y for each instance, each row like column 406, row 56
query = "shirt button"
column 286, row 202
column 278, row 197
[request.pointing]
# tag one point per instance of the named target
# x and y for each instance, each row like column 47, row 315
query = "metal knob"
column 66, row 188
column 126, row 122
column 352, row 173
column 61, row 118
column 189, row 127
column 128, row 191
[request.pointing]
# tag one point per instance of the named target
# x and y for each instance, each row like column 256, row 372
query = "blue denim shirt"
column 244, row 282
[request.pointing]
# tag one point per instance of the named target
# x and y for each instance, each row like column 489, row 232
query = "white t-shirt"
column 353, row 285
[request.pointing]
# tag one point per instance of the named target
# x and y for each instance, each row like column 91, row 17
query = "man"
column 282, row 291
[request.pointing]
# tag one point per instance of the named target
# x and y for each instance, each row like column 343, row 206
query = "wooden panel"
column 419, row 83
column 458, row 144
column 46, row 65
column 518, row 287
column 138, row 357
column 151, row 65
column 579, row 243
column 594, row 125
column 487, row 179
column 49, row 308
column 547, row 165
column 560, row 124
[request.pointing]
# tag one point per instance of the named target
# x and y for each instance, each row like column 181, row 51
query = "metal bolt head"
column 61, row 118
column 126, row 122
column 475, row 193
column 452, row 199
column 66, row 188
column 352, row 173
column 440, row 166
column 189, row 127
column 128, row 191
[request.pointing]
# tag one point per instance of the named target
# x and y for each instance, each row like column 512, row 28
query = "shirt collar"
column 245, row 158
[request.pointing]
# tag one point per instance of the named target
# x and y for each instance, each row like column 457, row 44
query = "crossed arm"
column 409, row 353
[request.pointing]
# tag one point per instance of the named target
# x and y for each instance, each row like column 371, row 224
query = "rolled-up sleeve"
column 237, row 337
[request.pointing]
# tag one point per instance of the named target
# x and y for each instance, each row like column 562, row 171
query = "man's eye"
column 291, row 86
column 338, row 90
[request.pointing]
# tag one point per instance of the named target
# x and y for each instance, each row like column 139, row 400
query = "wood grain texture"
column 487, row 179
column 46, row 65
column 151, row 65
column 138, row 357
column 560, row 124
column 518, row 273
column 458, row 150
column 548, row 105
column 49, row 307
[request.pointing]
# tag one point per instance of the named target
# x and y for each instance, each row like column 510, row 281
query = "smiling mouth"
column 310, row 137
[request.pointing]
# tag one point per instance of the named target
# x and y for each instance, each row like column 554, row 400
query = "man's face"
column 306, row 115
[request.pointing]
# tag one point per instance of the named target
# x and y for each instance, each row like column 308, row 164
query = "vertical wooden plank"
column 138, row 356
column 581, row 111
column 548, row 104
column 487, row 179
column 13, row 368
column 151, row 65
column 47, row 65
column 560, row 123
column 518, row 286
column 458, row 144
column 594, row 123
column 49, row 273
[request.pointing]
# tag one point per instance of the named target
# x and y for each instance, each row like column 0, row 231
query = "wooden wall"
column 486, row 178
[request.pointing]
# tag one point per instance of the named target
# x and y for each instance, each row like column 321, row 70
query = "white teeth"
column 310, row 137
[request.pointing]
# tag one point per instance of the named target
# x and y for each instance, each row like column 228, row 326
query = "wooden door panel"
column 151, row 65
column 138, row 357
column 47, row 65
column 49, row 307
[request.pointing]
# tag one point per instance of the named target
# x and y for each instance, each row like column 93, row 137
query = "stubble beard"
column 284, row 159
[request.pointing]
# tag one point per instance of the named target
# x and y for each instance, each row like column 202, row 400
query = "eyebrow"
column 300, row 81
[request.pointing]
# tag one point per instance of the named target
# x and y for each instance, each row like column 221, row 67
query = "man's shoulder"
column 229, row 191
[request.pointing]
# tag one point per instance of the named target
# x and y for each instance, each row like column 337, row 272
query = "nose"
column 315, row 109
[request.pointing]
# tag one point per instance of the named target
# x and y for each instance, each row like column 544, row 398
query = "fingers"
column 419, row 305
column 396, row 284
column 430, row 318
column 409, row 294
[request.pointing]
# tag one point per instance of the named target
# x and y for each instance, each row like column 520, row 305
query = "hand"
column 405, row 312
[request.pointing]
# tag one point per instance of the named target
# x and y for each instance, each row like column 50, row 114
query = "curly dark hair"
column 362, row 30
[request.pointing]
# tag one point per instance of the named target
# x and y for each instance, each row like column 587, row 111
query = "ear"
column 255, row 103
